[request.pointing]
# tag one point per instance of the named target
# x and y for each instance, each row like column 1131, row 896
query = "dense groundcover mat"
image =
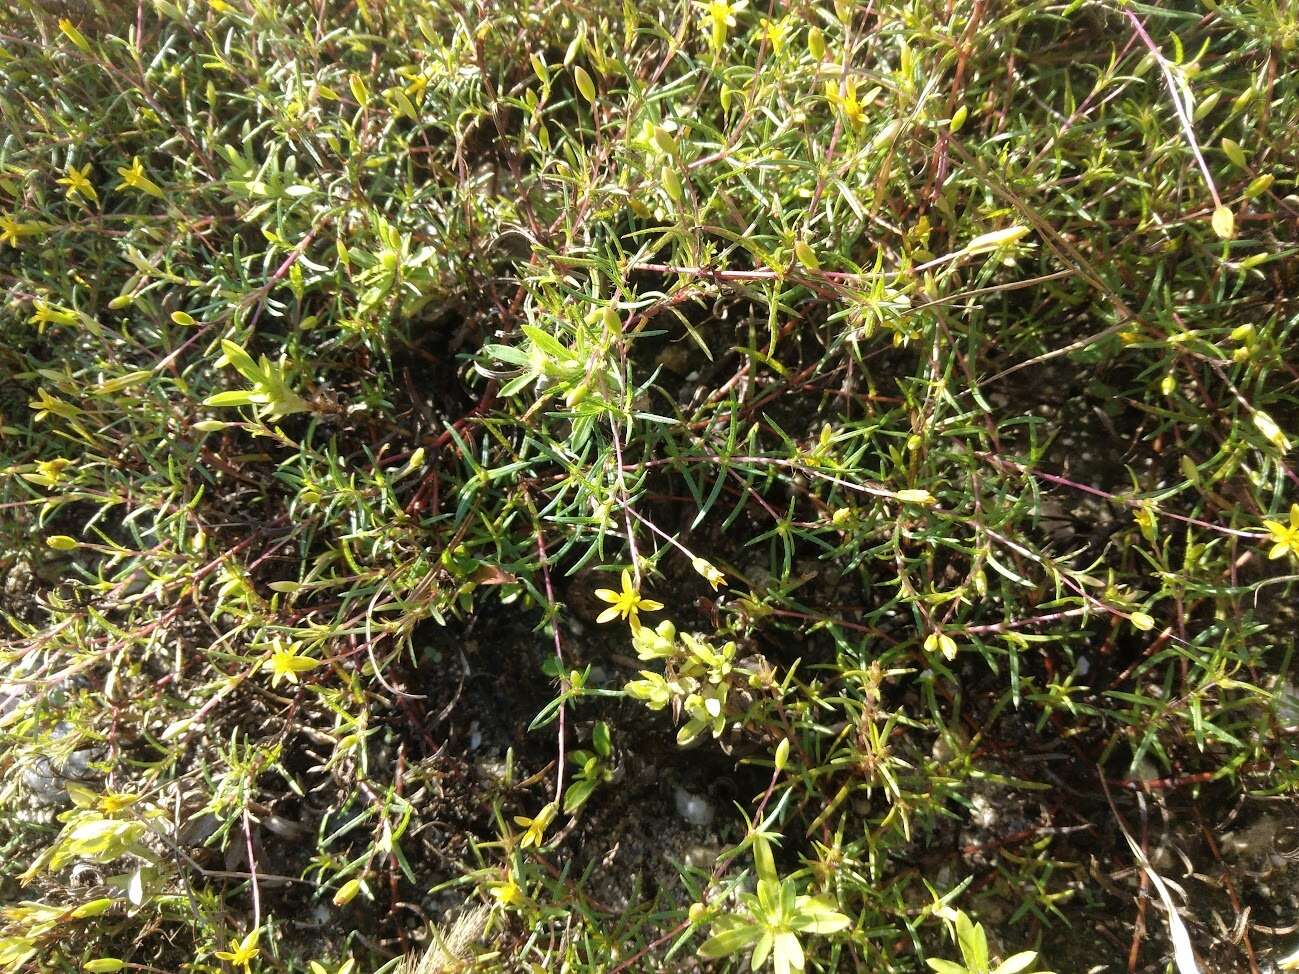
column 648, row 486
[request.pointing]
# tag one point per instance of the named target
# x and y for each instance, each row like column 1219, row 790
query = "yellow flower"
column 507, row 893
column 133, row 177
column 50, row 314
column 535, row 828
column 77, row 182
column 286, row 664
column 853, row 110
column 49, row 473
column 937, row 642
column 717, row 16
column 44, row 404
column 776, row 32
column 625, row 604
column 709, row 572
column 1285, row 537
column 12, row 230
column 240, row 953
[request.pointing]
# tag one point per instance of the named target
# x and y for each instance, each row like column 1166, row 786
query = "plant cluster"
column 437, row 441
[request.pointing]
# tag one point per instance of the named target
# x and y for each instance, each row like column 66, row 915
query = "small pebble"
column 695, row 809
column 983, row 812
column 701, row 856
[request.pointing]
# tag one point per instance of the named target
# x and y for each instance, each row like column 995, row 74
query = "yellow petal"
column 608, row 615
column 649, row 605
column 607, row 595
column 1278, row 550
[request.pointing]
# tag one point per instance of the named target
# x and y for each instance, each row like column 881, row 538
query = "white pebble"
column 695, row 809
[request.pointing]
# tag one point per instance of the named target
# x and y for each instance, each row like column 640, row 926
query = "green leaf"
column 818, row 914
column 93, row 908
column 577, row 794
column 506, row 353
column 731, row 941
column 241, row 360
column 600, row 739
column 235, row 397
column 763, row 861
column 787, row 952
column 973, row 943
column 945, row 966
column 546, row 342
column 1017, row 962
column 584, row 83
column 539, row 69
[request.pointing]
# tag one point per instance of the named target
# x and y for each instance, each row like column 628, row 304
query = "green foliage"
column 772, row 919
column 908, row 387
column 973, row 942
column 593, row 769
column 270, row 391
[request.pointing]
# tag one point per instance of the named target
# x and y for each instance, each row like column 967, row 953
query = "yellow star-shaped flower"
column 535, row 828
column 45, row 313
column 1285, row 537
column 13, row 230
column 710, row 573
column 10, row 231
column 853, row 110
column 133, row 177
column 286, row 663
column 78, row 183
column 718, row 15
column 626, row 604
column 776, row 32
column 508, row 893
column 241, row 953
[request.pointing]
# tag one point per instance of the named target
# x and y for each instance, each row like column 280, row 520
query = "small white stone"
column 695, row 809
column 983, row 812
